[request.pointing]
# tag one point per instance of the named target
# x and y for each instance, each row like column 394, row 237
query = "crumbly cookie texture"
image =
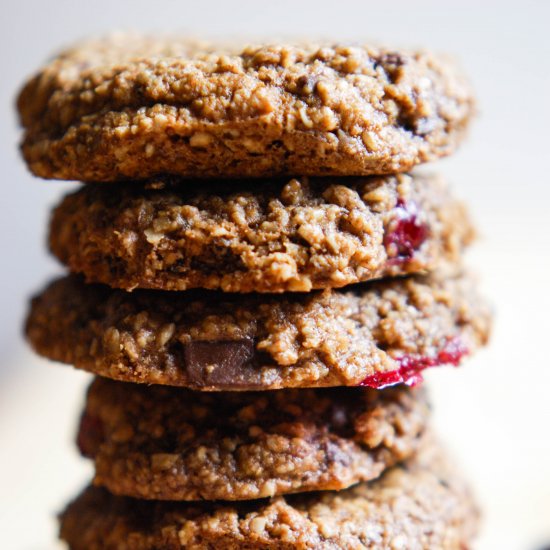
column 138, row 107
column 421, row 504
column 163, row 443
column 376, row 334
column 277, row 236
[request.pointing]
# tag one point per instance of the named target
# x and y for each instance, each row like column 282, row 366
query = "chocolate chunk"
column 223, row 363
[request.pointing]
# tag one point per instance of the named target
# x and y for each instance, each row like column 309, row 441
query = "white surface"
column 494, row 413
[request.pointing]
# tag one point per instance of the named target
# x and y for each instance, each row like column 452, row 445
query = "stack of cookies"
column 257, row 284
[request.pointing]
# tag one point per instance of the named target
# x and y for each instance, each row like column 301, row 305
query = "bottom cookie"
column 423, row 503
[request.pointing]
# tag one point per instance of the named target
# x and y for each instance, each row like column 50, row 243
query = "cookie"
column 423, row 503
column 289, row 235
column 164, row 443
column 131, row 107
column 375, row 334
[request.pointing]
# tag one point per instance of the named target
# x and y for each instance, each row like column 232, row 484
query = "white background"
column 494, row 414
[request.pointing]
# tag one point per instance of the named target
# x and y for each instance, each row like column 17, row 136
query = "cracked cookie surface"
column 423, row 503
column 375, row 334
column 270, row 236
column 165, row 443
column 128, row 107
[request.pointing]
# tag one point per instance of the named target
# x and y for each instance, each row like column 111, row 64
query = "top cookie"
column 138, row 107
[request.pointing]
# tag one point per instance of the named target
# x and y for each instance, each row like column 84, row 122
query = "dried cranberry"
column 90, row 435
column 405, row 233
column 411, row 366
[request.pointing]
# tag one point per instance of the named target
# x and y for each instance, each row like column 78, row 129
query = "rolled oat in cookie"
column 375, row 334
column 423, row 503
column 128, row 107
column 165, row 443
column 249, row 236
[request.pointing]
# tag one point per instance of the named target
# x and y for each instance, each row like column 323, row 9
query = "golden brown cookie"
column 138, row 107
column 271, row 236
column 164, row 443
column 376, row 334
column 421, row 504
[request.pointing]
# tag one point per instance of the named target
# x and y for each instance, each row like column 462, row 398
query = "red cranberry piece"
column 402, row 375
column 411, row 366
column 382, row 379
column 406, row 233
column 452, row 353
column 90, row 435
